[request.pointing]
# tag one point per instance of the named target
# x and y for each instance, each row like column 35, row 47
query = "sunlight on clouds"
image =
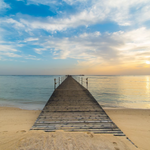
column 147, row 62
column 79, row 34
column 119, row 69
column 104, row 49
column 91, row 62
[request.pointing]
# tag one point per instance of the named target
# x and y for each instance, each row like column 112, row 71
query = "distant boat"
column 81, row 75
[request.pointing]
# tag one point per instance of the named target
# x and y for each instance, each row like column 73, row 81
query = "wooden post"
column 87, row 83
column 55, row 84
column 82, row 80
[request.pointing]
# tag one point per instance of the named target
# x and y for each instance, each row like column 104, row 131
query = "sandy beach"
column 15, row 135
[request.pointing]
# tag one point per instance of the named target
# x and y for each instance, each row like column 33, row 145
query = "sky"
column 54, row 37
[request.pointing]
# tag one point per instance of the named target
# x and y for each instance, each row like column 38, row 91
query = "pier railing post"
column 55, row 84
column 87, row 83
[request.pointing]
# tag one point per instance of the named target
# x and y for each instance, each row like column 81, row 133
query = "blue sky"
column 74, row 37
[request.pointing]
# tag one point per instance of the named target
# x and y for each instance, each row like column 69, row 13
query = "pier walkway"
column 72, row 108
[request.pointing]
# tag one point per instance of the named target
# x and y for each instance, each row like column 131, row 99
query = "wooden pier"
column 72, row 108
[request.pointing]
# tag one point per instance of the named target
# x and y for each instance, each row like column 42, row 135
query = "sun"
column 147, row 62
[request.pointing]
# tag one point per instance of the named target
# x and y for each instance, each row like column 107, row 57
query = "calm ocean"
column 32, row 92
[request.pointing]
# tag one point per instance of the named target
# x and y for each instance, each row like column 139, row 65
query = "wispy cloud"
column 31, row 57
column 3, row 5
column 31, row 39
column 16, row 24
column 8, row 51
column 123, row 12
column 44, row 2
column 96, row 48
column 28, row 37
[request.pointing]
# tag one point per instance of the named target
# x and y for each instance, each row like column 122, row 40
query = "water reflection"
column 148, row 85
column 121, row 91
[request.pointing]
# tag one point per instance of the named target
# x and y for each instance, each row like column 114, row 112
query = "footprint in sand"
column 70, row 144
column 116, row 148
column 91, row 135
column 114, row 143
column 21, row 131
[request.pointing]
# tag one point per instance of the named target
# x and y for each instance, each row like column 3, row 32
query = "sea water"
column 32, row 92
column 26, row 92
column 121, row 91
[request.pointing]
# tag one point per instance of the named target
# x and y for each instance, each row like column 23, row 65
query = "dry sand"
column 135, row 123
column 15, row 135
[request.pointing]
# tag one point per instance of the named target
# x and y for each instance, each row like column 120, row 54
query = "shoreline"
column 15, row 124
column 105, row 108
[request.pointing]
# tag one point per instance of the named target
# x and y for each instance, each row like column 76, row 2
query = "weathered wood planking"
column 72, row 108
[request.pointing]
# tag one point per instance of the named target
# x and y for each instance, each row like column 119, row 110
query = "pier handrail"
column 81, row 80
column 59, row 81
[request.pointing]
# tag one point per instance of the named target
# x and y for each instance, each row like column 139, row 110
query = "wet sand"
column 15, row 124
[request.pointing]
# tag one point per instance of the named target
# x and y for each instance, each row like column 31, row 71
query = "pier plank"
column 72, row 108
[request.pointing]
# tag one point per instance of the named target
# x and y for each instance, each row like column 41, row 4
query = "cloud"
column 8, row 51
column 14, row 49
column 51, row 24
column 58, row 24
column 3, row 5
column 31, row 39
column 55, row 2
column 96, row 48
column 39, row 50
column 43, row 2
column 124, row 13
column 31, row 57
column 16, row 24
column 71, row 2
